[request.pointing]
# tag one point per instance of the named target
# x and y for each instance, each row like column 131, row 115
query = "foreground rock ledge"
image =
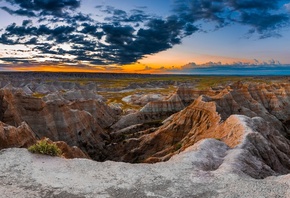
column 23, row 174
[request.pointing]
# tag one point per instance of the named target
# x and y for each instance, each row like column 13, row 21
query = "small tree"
column 45, row 147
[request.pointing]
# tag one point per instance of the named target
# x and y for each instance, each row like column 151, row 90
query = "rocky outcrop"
column 152, row 111
column 241, row 128
column 188, row 94
column 192, row 173
column 256, row 139
column 77, row 123
column 70, row 152
column 142, row 99
column 102, row 114
column 21, row 136
column 67, row 151
column 173, row 104
column 267, row 101
column 161, row 109
column 262, row 152
column 181, row 130
column 138, row 118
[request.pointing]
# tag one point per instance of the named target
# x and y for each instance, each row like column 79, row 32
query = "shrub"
column 45, row 147
column 38, row 95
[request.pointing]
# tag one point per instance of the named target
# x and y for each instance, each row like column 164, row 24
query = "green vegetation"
column 116, row 97
column 124, row 82
column 38, row 95
column 207, row 82
column 200, row 81
column 45, row 147
column 111, row 88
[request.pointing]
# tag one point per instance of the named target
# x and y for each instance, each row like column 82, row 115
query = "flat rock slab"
column 23, row 174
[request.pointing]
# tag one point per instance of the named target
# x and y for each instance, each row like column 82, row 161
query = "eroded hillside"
column 139, row 121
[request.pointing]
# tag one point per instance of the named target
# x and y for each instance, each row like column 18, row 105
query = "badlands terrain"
column 145, row 135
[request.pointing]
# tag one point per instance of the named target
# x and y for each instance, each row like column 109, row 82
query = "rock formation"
column 70, row 152
column 67, row 151
column 21, row 136
column 79, row 123
column 250, row 121
column 257, row 141
column 152, row 111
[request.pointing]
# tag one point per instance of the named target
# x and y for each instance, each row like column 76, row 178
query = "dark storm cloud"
column 45, row 5
column 262, row 16
column 27, row 31
column 82, row 17
column 20, row 12
column 92, row 29
column 118, row 35
column 14, row 59
column 265, row 24
column 103, row 43
column 256, row 4
column 117, row 16
column 127, row 45
column 53, row 7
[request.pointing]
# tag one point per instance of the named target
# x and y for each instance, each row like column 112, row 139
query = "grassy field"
column 113, row 90
column 116, row 97
column 201, row 83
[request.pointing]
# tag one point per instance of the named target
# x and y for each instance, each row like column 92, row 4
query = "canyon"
column 145, row 135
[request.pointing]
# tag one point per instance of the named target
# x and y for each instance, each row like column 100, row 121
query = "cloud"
column 287, row 6
column 123, row 38
column 63, row 34
column 118, row 16
column 14, row 59
column 270, row 67
column 32, row 8
column 146, row 68
column 210, row 64
column 127, row 44
column 20, row 12
column 264, row 17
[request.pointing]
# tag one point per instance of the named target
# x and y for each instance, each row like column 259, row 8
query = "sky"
column 152, row 36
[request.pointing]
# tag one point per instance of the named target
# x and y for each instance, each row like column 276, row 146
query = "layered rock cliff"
column 251, row 120
column 21, row 136
column 257, row 138
column 79, row 123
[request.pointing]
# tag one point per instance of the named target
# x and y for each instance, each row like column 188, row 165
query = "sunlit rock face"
column 262, row 152
column 68, row 152
column 152, row 111
column 78, row 123
column 269, row 101
column 21, row 136
column 257, row 137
